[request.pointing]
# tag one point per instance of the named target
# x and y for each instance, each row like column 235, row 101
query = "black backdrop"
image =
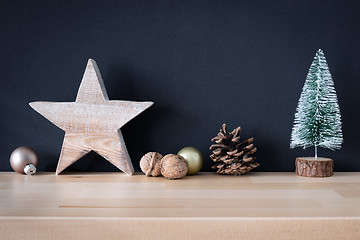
column 202, row 63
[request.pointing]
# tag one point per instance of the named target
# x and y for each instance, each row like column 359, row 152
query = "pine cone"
column 230, row 156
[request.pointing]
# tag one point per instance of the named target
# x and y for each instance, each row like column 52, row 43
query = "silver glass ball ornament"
column 24, row 160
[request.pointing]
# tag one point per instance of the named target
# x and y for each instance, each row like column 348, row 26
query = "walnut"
column 150, row 164
column 173, row 166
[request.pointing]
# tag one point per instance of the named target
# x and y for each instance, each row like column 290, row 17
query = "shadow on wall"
column 268, row 152
column 349, row 107
column 51, row 158
column 146, row 132
column 124, row 84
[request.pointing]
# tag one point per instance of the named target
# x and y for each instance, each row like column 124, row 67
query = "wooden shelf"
column 204, row 206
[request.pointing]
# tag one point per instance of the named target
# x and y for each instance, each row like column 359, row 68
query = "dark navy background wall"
column 203, row 63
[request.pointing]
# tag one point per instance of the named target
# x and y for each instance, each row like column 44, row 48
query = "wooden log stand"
column 314, row 167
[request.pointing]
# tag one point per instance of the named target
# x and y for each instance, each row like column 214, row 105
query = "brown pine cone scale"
column 230, row 156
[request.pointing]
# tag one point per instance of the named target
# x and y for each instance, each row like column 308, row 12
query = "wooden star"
column 92, row 122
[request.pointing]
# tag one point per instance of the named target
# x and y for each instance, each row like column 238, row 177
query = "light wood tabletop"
column 204, row 206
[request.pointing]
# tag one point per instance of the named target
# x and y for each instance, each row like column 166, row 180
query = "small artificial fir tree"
column 317, row 119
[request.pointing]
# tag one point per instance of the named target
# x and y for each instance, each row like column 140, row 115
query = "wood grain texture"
column 314, row 167
column 92, row 122
column 203, row 206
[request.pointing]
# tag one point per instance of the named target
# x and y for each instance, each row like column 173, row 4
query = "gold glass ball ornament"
column 194, row 159
column 24, row 160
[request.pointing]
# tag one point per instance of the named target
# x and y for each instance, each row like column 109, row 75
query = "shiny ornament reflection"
column 193, row 158
column 24, row 160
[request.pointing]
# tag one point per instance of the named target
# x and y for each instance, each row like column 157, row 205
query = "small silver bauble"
column 24, row 160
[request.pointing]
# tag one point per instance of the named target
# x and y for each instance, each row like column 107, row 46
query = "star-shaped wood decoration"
column 92, row 122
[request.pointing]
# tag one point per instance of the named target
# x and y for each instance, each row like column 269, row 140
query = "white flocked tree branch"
column 317, row 119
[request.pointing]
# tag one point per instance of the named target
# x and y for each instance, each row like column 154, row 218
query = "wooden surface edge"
column 180, row 228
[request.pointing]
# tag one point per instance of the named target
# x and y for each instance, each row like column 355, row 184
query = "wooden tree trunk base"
column 314, row 167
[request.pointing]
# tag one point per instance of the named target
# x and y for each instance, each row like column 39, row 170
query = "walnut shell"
column 150, row 164
column 173, row 166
